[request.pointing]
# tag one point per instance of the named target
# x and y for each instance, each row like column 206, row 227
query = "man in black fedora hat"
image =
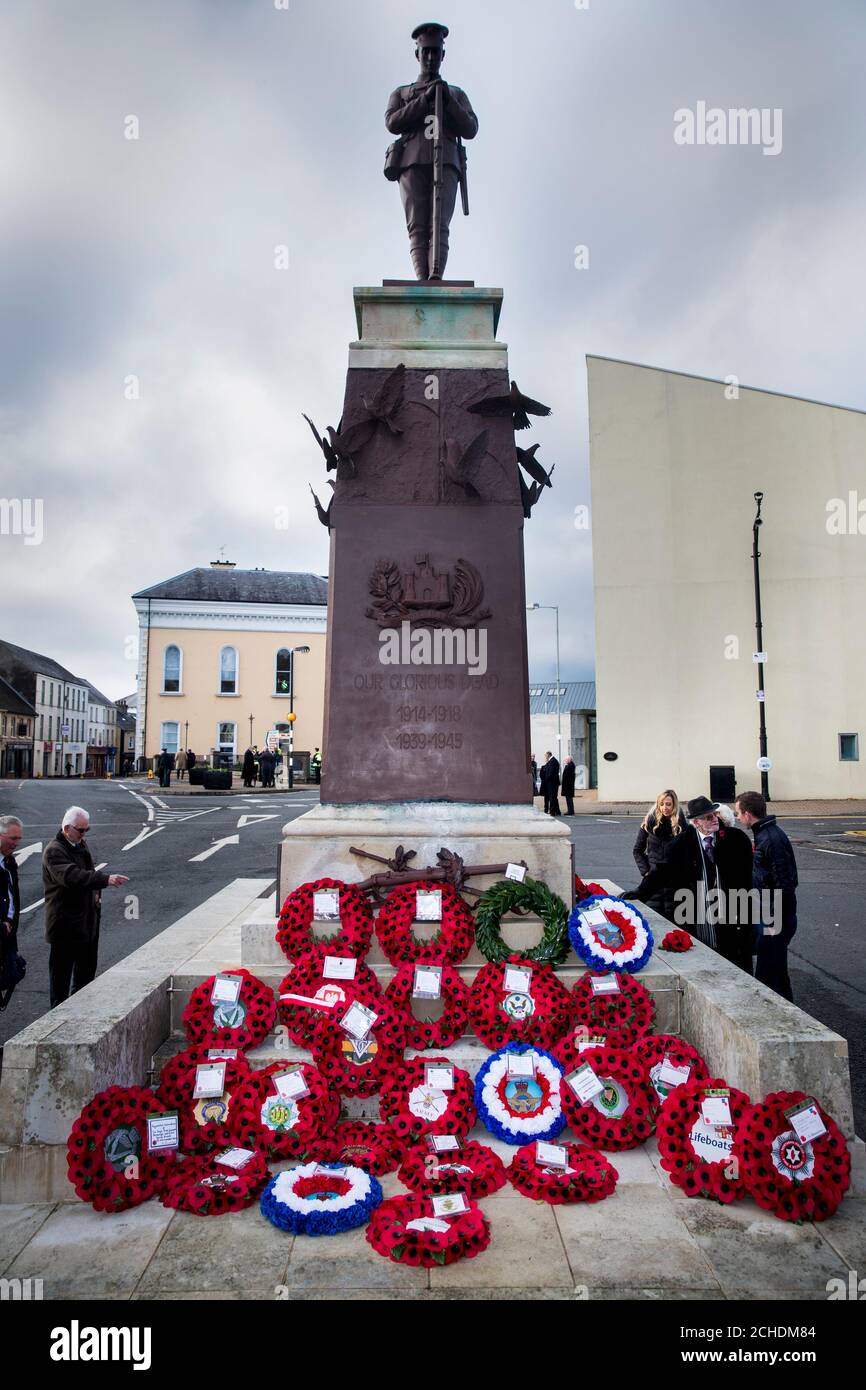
column 708, row 870
column 411, row 116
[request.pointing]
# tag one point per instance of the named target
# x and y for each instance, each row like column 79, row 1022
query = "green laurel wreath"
column 537, row 898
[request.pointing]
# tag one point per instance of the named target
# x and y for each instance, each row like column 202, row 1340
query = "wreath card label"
column 358, row 1021
column 210, row 1080
column 291, row 1084
column 517, row 980
column 339, row 968
column 326, row 905
column 427, row 982
column 585, row 1084
column 163, row 1131
column 806, row 1121
column 226, row 989
column 428, row 905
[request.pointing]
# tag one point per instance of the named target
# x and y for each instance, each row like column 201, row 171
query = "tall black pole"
column 292, row 722
column 759, row 629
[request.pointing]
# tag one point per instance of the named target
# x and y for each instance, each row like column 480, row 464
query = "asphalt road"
column 157, row 846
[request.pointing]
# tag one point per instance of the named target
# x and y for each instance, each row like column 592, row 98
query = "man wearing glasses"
column 73, row 890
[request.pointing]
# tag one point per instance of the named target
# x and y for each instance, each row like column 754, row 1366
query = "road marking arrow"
column 23, row 854
column 217, row 844
column 142, row 835
column 251, row 820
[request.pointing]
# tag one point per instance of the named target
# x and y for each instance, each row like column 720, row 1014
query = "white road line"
column 253, row 820
column 846, row 854
column 150, row 811
column 218, row 844
column 143, row 834
column 22, row 855
column 162, row 804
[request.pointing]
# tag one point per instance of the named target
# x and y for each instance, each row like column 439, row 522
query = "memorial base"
column 319, row 844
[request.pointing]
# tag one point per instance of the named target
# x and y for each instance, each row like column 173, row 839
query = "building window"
column 228, row 671
column 283, row 676
column 226, row 738
column 849, row 748
column 169, row 736
column 171, row 671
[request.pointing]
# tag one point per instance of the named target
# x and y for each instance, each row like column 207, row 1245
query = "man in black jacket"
column 550, row 784
column 11, row 831
column 774, row 870
column 709, row 868
column 568, row 774
column 72, row 887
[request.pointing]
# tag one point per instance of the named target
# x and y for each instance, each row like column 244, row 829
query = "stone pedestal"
column 318, row 844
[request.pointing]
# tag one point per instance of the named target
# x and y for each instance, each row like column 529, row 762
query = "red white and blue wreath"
column 610, row 934
column 520, row 1101
column 321, row 1199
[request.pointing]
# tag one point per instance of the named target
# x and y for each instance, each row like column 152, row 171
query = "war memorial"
column 440, row 1062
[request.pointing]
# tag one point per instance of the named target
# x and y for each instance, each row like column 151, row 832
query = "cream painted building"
column 675, row 461
column 216, row 648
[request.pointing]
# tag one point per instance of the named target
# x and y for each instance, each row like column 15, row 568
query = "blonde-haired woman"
column 652, row 849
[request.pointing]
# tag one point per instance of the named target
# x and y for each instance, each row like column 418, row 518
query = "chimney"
column 222, row 564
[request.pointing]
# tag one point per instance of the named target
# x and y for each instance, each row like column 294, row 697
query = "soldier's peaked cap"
column 430, row 35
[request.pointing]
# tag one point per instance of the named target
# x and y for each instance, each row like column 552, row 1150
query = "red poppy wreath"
column 373, row 1147
column 358, row 1065
column 421, row 1032
column 696, row 1152
column 405, row 1230
column 353, row 933
column 587, row 1176
column 316, row 994
column 623, row 1013
column 505, row 1008
column 794, row 1177
column 472, row 1168
column 175, row 1070
column 206, row 1122
column 620, row 1113
column 107, row 1154
column 282, row 1110
column 204, row 1186
column 664, row 1054
column 224, row 1022
column 568, row 1051
column 453, row 939
column 416, row 1100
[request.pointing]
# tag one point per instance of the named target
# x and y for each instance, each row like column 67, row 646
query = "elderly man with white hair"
column 73, row 894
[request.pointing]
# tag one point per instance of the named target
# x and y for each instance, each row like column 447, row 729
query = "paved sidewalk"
column 646, row 1241
column 585, row 804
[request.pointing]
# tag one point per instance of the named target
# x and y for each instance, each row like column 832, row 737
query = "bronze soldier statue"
column 432, row 119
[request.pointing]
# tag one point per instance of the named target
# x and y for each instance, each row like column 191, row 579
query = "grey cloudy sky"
column 261, row 127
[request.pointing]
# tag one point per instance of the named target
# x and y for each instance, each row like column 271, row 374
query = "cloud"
column 259, row 128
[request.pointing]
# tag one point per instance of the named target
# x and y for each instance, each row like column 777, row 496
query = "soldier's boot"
column 419, row 261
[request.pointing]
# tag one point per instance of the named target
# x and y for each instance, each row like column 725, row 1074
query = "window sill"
column 171, row 694
column 228, row 694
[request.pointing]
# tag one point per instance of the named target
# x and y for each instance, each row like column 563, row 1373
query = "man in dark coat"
column 11, row 832
column 165, row 766
column 568, row 775
column 249, row 768
column 190, row 760
column 550, row 784
column 774, row 870
column 410, row 115
column 709, row 859
column 72, row 888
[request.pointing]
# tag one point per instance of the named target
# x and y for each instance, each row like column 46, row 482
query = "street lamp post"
column 251, row 730
column 186, row 735
column 530, row 609
column 292, row 716
column 759, row 629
